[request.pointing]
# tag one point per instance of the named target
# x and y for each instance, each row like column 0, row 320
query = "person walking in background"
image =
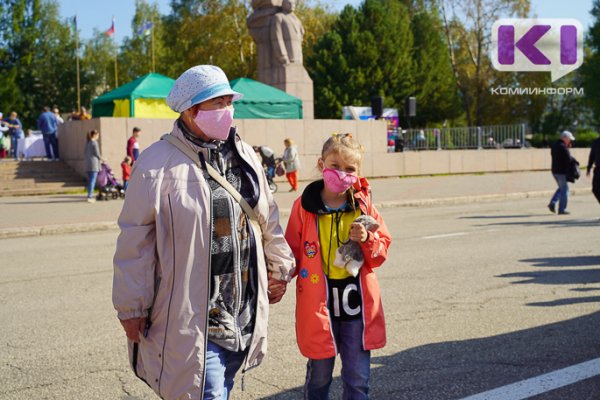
column 126, row 169
column 4, row 141
column 291, row 161
column 92, row 158
column 561, row 163
column 15, row 130
column 48, row 124
column 337, row 311
column 201, row 253
column 594, row 160
column 267, row 156
column 133, row 146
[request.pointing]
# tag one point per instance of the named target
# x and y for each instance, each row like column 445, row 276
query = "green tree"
column 97, row 67
column 366, row 53
column 467, row 28
column 436, row 93
column 208, row 32
column 37, row 57
column 137, row 53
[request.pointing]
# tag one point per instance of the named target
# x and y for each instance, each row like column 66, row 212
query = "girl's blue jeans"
column 356, row 365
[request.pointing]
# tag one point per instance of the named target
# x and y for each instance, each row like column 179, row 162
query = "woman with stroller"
column 93, row 159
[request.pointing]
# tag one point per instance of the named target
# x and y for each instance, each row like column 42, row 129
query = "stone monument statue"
column 278, row 34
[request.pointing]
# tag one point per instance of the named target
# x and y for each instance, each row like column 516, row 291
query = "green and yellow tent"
column 141, row 98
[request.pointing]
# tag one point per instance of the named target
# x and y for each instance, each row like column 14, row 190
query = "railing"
column 479, row 137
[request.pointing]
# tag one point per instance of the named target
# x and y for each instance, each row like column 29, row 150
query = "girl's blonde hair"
column 92, row 133
column 344, row 145
column 288, row 142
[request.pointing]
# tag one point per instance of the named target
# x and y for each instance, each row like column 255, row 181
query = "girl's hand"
column 358, row 233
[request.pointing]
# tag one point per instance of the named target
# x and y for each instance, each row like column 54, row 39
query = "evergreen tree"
column 367, row 53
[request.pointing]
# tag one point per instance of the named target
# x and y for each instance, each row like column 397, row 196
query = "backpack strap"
column 216, row 176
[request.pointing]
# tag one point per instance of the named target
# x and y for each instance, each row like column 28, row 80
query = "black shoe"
column 552, row 208
column 563, row 213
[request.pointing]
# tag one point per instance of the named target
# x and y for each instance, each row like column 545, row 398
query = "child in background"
column 335, row 311
column 126, row 168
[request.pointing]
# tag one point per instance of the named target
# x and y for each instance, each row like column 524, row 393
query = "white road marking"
column 445, row 235
column 543, row 383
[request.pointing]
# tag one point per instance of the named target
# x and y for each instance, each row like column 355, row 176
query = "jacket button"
column 159, row 356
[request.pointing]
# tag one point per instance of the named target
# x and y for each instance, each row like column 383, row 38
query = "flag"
column 145, row 29
column 111, row 30
column 74, row 23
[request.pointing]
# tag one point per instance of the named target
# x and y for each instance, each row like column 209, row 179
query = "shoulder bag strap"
column 215, row 175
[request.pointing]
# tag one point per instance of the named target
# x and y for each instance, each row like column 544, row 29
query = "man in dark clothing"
column 48, row 124
column 594, row 159
column 561, row 162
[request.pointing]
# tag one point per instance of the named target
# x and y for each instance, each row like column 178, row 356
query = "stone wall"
column 309, row 136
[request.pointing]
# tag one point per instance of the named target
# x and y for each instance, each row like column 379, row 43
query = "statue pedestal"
column 292, row 79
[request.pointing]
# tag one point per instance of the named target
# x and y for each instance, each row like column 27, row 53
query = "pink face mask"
column 215, row 123
column 338, row 181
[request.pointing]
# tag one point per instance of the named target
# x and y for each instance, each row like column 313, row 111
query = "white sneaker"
column 91, row 200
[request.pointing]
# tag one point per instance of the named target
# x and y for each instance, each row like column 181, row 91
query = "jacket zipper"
column 208, row 279
column 162, row 364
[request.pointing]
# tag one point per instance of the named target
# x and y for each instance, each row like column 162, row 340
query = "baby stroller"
column 108, row 187
column 270, row 174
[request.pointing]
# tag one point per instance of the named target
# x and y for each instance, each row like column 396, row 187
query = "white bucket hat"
column 568, row 135
column 198, row 84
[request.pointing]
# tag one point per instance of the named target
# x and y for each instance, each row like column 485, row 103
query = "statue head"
column 288, row 5
column 258, row 4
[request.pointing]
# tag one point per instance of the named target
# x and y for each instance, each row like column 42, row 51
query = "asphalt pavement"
column 59, row 214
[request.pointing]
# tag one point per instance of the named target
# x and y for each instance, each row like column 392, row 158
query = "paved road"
column 476, row 297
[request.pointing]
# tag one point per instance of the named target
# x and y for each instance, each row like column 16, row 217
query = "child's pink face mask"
column 338, row 181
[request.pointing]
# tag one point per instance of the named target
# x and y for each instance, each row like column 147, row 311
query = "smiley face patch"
column 310, row 249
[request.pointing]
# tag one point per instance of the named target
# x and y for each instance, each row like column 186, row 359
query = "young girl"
column 335, row 311
column 126, row 169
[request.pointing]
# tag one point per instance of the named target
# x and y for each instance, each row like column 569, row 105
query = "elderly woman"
column 195, row 269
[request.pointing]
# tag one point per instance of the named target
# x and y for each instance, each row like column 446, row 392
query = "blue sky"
column 98, row 14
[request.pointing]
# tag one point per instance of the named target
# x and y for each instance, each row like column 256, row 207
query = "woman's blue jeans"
column 92, row 175
column 356, row 365
column 562, row 193
column 220, row 368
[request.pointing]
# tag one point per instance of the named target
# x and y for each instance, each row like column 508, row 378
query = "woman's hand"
column 133, row 327
column 275, row 289
column 358, row 233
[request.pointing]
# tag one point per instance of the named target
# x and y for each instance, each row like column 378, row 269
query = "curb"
column 44, row 230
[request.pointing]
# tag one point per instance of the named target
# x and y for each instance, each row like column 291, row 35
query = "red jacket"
column 313, row 324
column 126, row 169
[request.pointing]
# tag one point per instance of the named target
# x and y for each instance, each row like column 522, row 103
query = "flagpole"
column 77, row 64
column 152, row 45
column 116, row 54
